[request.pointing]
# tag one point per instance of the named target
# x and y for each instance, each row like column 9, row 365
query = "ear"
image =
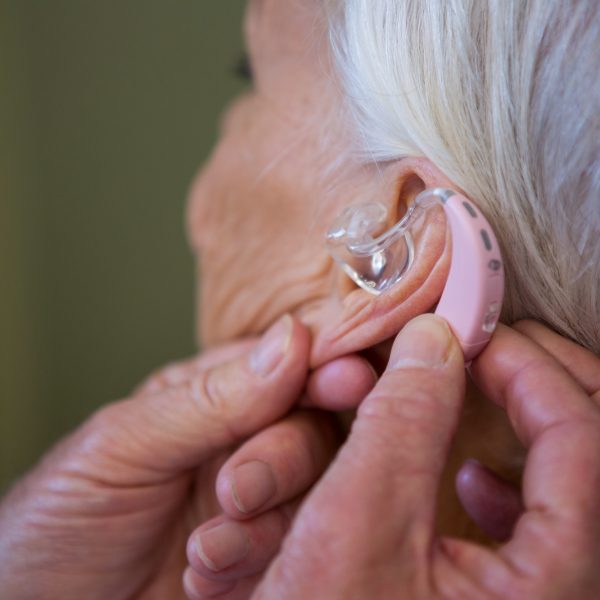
column 352, row 319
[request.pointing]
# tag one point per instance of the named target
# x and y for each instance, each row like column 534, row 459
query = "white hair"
column 503, row 96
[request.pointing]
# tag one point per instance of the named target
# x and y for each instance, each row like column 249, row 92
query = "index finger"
column 581, row 363
column 177, row 373
column 533, row 387
column 175, row 429
column 560, row 424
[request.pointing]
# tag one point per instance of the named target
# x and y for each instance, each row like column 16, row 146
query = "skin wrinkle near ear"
column 292, row 173
column 385, row 315
column 311, row 292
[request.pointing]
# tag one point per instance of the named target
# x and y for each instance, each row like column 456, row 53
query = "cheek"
column 257, row 219
column 258, row 257
column 220, row 183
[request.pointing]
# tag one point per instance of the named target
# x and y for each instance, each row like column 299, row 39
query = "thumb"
column 152, row 437
column 401, row 436
column 374, row 508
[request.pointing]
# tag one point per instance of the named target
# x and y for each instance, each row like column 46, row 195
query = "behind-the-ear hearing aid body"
column 472, row 298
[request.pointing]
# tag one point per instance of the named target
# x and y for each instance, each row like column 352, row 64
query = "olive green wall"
column 106, row 110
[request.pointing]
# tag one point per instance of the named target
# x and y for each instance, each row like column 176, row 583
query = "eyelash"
column 242, row 68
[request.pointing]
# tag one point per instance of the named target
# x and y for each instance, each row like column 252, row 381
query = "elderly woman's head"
column 360, row 100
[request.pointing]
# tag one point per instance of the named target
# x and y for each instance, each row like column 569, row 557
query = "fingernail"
column 424, row 342
column 271, row 349
column 222, row 546
column 252, row 485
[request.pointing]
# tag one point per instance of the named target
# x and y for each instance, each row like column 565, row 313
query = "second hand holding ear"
column 367, row 528
column 382, row 486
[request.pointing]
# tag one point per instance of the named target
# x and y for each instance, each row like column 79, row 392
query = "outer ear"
column 355, row 320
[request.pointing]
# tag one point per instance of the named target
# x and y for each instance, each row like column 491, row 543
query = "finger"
column 403, row 429
column 580, row 363
column 384, row 480
column 226, row 550
column 560, row 424
column 181, row 371
column 340, row 384
column 494, row 504
column 277, row 464
column 537, row 392
column 198, row 587
column 162, row 434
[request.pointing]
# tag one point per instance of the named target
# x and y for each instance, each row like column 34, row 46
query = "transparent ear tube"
column 374, row 257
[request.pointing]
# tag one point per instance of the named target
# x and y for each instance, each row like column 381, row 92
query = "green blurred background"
column 106, row 111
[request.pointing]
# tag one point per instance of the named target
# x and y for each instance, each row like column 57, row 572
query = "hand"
column 107, row 512
column 494, row 504
column 367, row 528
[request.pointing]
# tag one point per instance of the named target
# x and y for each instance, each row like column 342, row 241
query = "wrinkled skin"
column 281, row 172
column 370, row 517
column 367, row 529
column 258, row 211
column 108, row 511
column 283, row 169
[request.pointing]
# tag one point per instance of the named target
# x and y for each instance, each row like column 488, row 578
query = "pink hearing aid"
column 376, row 259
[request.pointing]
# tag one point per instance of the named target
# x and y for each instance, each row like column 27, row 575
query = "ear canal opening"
column 372, row 257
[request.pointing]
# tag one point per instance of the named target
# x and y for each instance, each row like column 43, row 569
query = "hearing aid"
column 376, row 258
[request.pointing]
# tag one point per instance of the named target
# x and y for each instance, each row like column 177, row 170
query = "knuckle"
column 410, row 401
column 206, row 391
column 532, row 371
column 520, row 389
column 168, row 376
column 531, row 384
column 407, row 427
column 211, row 396
column 205, row 399
column 410, row 416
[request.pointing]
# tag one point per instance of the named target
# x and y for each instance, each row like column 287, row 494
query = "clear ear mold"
column 376, row 256
column 373, row 257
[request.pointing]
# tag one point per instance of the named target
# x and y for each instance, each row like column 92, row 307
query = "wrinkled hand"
column 367, row 528
column 108, row 511
column 494, row 504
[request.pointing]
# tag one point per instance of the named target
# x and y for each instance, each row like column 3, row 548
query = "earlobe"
column 357, row 320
